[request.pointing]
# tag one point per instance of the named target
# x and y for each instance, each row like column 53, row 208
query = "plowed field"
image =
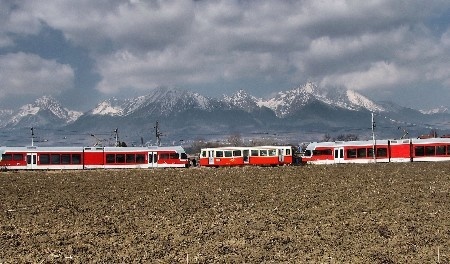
column 376, row 213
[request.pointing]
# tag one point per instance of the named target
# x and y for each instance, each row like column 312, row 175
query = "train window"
column 184, row 155
column 263, row 152
column 307, row 153
column 150, row 158
column 140, row 158
column 219, row 153
column 370, row 152
column 272, row 152
column 448, row 149
column 120, row 158
column 17, row 156
column 44, row 159
column 164, row 156
column 55, row 158
column 130, row 158
column 440, row 150
column 110, row 158
column 361, row 153
column 430, row 151
column 322, row 152
column 65, row 158
column 7, row 157
column 254, row 152
column 204, row 154
column 381, row 152
column 351, row 153
column 174, row 156
column 288, row 151
column 228, row 153
column 419, row 151
column 237, row 153
column 76, row 158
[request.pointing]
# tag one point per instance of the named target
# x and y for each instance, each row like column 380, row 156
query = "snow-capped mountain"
column 45, row 110
column 439, row 110
column 5, row 114
column 289, row 102
column 162, row 101
column 242, row 100
column 184, row 114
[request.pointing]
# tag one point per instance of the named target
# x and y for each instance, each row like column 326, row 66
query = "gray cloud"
column 29, row 74
column 362, row 45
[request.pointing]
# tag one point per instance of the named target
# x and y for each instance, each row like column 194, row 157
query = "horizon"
column 219, row 97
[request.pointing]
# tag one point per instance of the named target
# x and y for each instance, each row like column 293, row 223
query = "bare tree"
column 326, row 138
column 235, row 140
column 347, row 137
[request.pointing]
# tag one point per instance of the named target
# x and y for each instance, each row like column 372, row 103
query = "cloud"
column 30, row 74
column 378, row 75
column 138, row 45
column 15, row 21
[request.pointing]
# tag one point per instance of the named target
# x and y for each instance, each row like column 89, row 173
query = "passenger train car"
column 48, row 158
column 240, row 156
column 402, row 150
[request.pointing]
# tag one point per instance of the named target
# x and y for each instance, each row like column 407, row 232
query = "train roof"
column 379, row 142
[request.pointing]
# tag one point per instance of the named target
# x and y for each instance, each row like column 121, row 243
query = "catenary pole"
column 373, row 138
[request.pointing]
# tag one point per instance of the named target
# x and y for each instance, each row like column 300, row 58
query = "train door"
column 152, row 159
column 246, row 156
column 339, row 155
column 31, row 161
column 211, row 157
column 281, row 155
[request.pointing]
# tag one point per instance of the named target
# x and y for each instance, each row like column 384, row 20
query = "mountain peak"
column 46, row 109
column 309, row 87
column 438, row 110
column 242, row 100
column 162, row 100
column 362, row 101
column 288, row 102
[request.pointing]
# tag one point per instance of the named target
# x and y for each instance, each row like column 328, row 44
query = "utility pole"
column 116, row 135
column 373, row 138
column 32, row 136
column 158, row 134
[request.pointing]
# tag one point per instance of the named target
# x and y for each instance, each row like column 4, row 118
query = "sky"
column 82, row 52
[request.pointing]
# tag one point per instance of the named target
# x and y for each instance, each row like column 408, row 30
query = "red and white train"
column 240, row 156
column 401, row 150
column 75, row 158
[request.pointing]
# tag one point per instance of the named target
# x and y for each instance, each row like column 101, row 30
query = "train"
column 98, row 157
column 245, row 156
column 77, row 158
column 372, row 151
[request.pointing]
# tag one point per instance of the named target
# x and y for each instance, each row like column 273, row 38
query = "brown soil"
column 376, row 213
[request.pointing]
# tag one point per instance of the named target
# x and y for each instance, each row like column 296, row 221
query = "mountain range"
column 304, row 113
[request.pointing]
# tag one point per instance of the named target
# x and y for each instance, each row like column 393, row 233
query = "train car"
column 62, row 158
column 402, row 150
column 430, row 149
column 241, row 156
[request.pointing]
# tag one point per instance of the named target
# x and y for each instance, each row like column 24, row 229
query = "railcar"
column 75, row 158
column 242, row 156
column 369, row 151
